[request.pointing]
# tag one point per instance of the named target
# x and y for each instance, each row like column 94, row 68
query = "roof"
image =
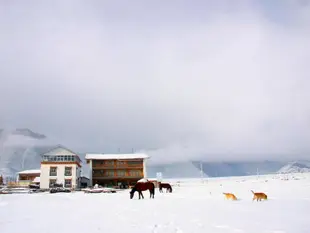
column 60, row 151
column 37, row 171
column 116, row 156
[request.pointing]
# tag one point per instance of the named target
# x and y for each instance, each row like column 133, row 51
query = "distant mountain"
column 20, row 149
column 242, row 168
column 191, row 169
column 295, row 167
column 28, row 133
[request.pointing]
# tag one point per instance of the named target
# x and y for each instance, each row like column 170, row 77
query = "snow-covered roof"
column 37, row 171
column 116, row 156
column 36, row 180
column 59, row 150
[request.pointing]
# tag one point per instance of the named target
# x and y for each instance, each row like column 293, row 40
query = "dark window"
column 52, row 183
column 53, row 171
column 68, row 183
column 68, row 171
column 109, row 162
column 135, row 163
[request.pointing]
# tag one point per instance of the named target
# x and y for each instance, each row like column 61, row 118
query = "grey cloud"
column 215, row 79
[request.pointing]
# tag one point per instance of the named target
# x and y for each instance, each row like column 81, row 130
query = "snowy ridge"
column 294, row 167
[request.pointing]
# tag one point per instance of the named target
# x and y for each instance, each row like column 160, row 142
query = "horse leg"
column 142, row 194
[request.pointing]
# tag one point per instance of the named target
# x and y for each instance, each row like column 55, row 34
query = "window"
column 135, row 163
column 98, row 172
column 135, row 173
column 109, row 162
column 109, row 173
column 68, row 171
column 68, row 183
column 53, row 171
column 52, row 183
column 121, row 173
column 120, row 162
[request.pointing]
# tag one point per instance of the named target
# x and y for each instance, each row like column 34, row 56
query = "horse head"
column 132, row 192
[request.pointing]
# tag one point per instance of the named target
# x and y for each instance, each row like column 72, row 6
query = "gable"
column 59, row 151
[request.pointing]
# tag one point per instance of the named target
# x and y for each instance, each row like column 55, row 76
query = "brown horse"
column 141, row 186
column 167, row 186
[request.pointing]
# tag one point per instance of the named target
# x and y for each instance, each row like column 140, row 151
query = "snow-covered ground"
column 193, row 207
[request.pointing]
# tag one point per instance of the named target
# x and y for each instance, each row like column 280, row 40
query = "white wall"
column 60, row 178
column 91, row 173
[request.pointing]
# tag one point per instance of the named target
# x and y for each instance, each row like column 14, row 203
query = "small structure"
column 27, row 177
column 60, row 166
column 120, row 170
column 84, row 182
column 29, row 174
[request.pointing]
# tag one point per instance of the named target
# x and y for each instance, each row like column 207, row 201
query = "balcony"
column 104, row 176
column 118, row 166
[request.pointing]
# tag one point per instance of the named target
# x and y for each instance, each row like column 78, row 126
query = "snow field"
column 192, row 207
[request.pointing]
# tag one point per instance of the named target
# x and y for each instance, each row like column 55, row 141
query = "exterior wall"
column 91, row 173
column 60, row 177
column 144, row 169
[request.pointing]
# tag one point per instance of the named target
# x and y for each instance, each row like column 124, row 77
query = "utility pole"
column 257, row 173
column 201, row 172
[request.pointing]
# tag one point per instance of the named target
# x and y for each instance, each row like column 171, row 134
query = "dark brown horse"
column 167, row 186
column 143, row 186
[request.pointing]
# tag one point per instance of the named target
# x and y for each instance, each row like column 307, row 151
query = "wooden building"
column 116, row 169
column 29, row 175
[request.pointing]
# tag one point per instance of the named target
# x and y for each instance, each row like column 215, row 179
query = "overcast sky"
column 223, row 79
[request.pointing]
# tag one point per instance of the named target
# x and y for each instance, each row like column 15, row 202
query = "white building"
column 60, row 166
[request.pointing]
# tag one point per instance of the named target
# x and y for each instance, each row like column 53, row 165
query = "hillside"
column 20, row 149
column 295, row 167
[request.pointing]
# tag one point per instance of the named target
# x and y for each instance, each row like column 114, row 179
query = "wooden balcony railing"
column 118, row 166
column 100, row 176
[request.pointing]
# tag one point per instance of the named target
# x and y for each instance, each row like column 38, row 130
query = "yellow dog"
column 259, row 196
column 230, row 196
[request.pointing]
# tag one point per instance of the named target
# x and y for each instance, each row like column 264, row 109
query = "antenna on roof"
column 119, row 150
